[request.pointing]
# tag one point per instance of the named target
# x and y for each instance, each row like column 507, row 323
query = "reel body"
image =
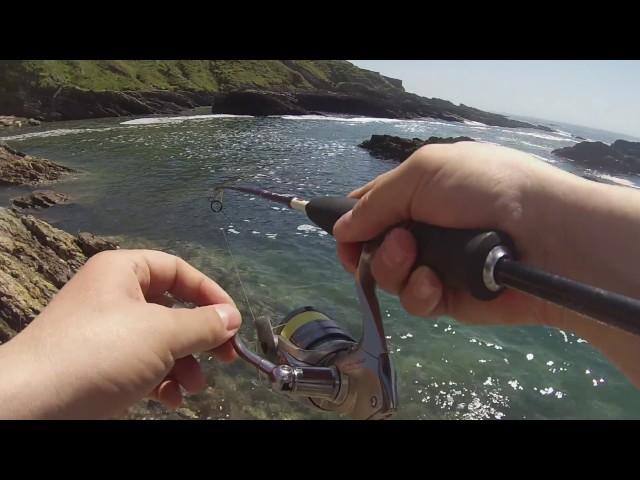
column 316, row 360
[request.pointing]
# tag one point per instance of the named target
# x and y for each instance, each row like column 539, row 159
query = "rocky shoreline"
column 621, row 156
column 17, row 168
column 357, row 101
column 36, row 259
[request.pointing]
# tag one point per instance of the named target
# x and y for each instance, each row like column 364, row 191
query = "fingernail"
column 342, row 220
column 423, row 289
column 229, row 315
column 393, row 250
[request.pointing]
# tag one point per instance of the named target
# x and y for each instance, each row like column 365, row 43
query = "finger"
column 387, row 203
column 187, row 372
column 169, row 394
column 349, row 253
column 163, row 300
column 423, row 293
column 359, row 192
column 225, row 352
column 159, row 272
column 392, row 262
column 193, row 330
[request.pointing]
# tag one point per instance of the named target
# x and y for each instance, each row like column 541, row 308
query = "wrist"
column 25, row 394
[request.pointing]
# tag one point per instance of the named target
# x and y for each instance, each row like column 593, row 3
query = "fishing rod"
column 482, row 262
column 315, row 359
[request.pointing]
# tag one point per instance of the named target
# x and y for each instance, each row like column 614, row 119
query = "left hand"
column 103, row 344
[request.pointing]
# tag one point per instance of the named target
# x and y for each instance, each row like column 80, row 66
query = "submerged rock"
column 41, row 199
column 36, row 260
column 18, row 168
column 398, row 148
column 620, row 156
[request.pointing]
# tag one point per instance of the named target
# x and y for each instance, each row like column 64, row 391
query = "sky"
column 603, row 94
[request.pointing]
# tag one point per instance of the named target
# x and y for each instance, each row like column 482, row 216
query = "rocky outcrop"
column 399, row 149
column 18, row 168
column 356, row 99
column 71, row 103
column 258, row 103
column 11, row 121
column 621, row 156
column 36, row 260
column 75, row 89
column 41, row 199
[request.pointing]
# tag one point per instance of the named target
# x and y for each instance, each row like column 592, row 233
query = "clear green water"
column 147, row 183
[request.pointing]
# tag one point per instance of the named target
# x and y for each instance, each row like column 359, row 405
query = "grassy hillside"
column 185, row 75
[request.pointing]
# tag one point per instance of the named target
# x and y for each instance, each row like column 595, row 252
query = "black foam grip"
column 458, row 256
column 325, row 211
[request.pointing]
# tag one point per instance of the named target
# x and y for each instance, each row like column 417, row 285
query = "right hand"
column 463, row 185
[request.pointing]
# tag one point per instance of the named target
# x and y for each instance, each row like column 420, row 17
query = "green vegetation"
column 185, row 75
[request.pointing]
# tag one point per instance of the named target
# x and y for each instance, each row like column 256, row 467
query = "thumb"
column 202, row 328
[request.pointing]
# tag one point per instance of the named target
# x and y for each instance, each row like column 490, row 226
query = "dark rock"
column 258, row 103
column 20, row 169
column 621, row 156
column 631, row 149
column 399, row 149
column 36, row 260
column 352, row 98
column 41, row 199
column 91, row 244
column 579, row 137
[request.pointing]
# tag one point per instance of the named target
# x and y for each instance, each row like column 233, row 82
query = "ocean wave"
column 541, row 135
column 159, row 120
column 342, row 119
column 471, row 123
column 618, row 180
column 534, row 145
column 56, row 133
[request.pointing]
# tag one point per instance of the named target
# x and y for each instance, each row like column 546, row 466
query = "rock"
column 6, row 332
column 20, row 169
column 622, row 156
column 90, row 244
column 631, row 149
column 579, row 137
column 399, row 149
column 41, row 199
column 258, row 103
column 352, row 98
column 36, row 260
column 12, row 121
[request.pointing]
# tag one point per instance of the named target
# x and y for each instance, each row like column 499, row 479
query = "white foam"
column 541, row 135
column 534, row 145
column 58, row 132
column 343, row 119
column 307, row 228
column 475, row 124
column 529, row 356
column 620, row 181
column 157, row 120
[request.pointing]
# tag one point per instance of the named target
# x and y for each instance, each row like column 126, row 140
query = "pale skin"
column 107, row 341
column 102, row 344
column 559, row 222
